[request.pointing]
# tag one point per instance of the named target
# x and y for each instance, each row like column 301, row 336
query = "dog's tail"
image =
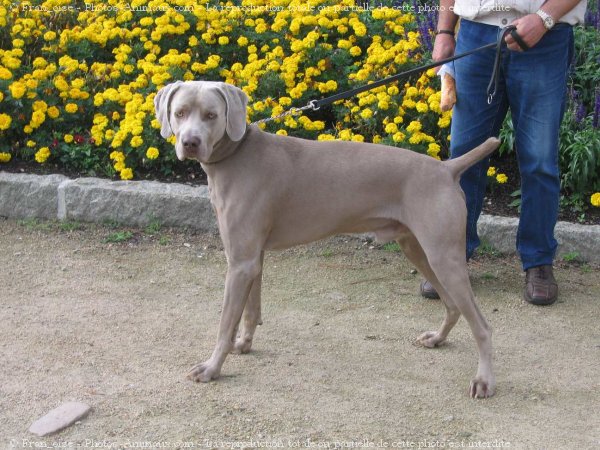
column 458, row 165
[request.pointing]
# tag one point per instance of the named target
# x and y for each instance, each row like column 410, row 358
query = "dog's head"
column 200, row 114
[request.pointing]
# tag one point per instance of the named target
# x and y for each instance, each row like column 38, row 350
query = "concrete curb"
column 140, row 203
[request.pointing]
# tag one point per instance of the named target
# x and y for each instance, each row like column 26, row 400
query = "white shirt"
column 503, row 12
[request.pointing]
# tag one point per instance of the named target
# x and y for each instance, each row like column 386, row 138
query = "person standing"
column 533, row 85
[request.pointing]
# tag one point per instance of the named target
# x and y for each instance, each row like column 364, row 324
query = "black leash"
column 491, row 89
column 499, row 45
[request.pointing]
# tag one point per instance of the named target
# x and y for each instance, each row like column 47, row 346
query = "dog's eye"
column 211, row 116
column 179, row 114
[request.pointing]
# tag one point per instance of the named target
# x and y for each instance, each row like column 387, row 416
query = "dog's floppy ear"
column 236, row 100
column 162, row 102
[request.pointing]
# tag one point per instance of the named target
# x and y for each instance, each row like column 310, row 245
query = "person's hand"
column 443, row 48
column 531, row 29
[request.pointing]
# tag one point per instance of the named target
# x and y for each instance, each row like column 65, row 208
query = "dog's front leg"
column 239, row 280
column 252, row 315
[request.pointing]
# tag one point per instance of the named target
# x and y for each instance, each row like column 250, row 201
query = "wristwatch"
column 547, row 19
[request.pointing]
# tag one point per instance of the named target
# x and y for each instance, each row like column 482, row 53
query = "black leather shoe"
column 428, row 291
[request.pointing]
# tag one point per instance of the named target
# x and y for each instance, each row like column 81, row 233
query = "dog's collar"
column 230, row 148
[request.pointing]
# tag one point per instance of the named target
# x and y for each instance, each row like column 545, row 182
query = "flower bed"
column 77, row 81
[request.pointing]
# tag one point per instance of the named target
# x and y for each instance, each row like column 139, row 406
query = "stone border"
column 140, row 203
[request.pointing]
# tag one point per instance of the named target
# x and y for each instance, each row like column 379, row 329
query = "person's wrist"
column 445, row 32
column 547, row 20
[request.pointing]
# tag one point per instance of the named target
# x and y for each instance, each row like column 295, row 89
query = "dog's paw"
column 242, row 346
column 204, row 372
column 481, row 388
column 430, row 339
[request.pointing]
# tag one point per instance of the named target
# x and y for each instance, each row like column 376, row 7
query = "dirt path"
column 117, row 325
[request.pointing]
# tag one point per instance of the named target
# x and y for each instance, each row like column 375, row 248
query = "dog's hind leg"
column 452, row 275
column 414, row 252
column 252, row 315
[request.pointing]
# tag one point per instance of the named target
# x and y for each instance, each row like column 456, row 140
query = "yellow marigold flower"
column 325, row 137
column 31, row 144
column 393, row 90
column 355, row 51
column 331, row 85
column 358, row 138
column 117, row 156
column 501, row 178
column 42, row 155
column 411, row 92
column 31, row 84
column 53, row 112
column 152, row 153
column 98, row 100
column 5, row 74
column 71, row 108
column 119, row 165
column 399, row 136
column 414, row 126
column 61, row 84
column 242, row 41
column 345, row 135
column 146, row 21
column 345, row 44
column 49, row 35
column 40, row 106
column 282, row 132
column 595, row 199
column 422, row 107
column 136, row 141
column 5, row 157
column 383, row 104
column 491, row 171
column 37, row 118
column 126, row 174
column 17, row 89
column 366, row 113
column 417, row 138
column 408, row 103
column 68, row 138
column 433, row 149
column 5, row 121
column 223, row 40
column 444, row 122
column 391, row 128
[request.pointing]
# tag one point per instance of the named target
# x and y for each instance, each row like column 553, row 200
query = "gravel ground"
column 117, row 325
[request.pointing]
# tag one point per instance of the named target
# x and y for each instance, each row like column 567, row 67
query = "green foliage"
column 118, row 237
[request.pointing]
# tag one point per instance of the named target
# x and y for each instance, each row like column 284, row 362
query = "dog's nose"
column 191, row 143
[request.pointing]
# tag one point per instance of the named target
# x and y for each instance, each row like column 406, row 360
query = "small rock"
column 59, row 418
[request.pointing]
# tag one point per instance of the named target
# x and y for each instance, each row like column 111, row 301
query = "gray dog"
column 274, row 192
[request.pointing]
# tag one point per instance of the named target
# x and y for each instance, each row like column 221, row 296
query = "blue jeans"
column 533, row 85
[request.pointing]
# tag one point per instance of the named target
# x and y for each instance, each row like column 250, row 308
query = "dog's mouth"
column 193, row 149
